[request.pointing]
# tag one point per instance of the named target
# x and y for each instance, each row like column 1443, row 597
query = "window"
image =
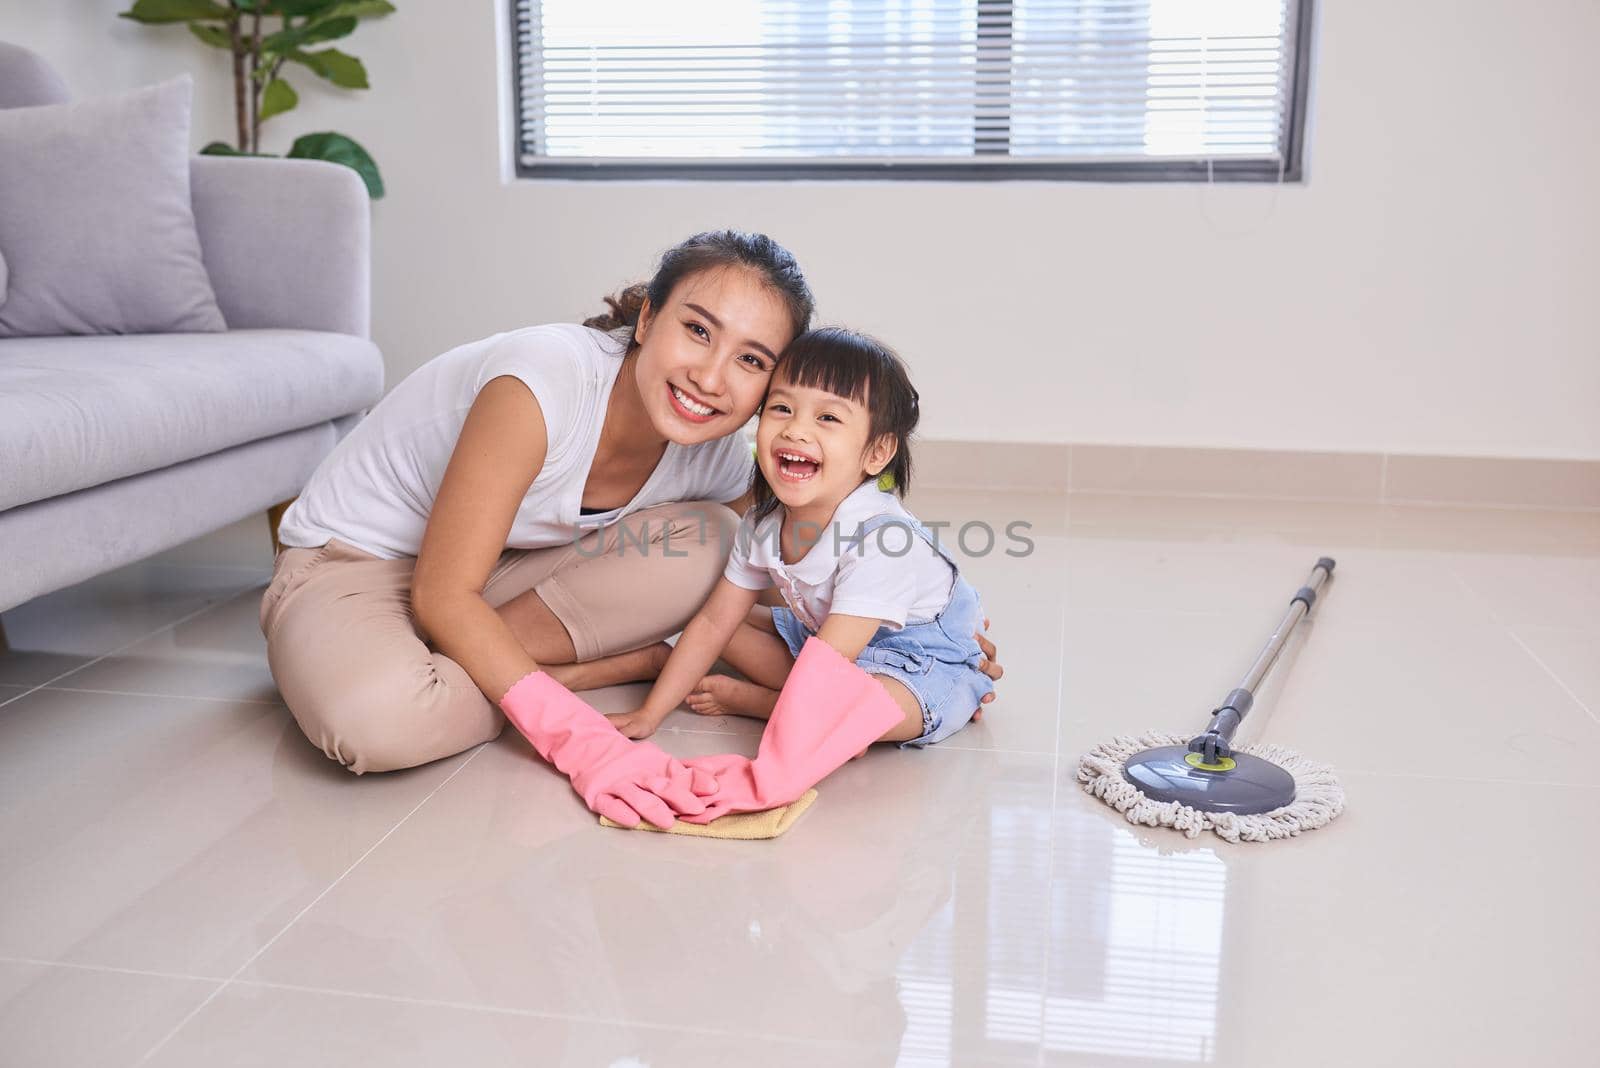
column 961, row 89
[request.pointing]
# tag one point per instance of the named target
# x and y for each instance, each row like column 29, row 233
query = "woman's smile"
column 690, row 407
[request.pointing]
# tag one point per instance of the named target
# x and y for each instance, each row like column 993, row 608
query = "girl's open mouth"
column 796, row 466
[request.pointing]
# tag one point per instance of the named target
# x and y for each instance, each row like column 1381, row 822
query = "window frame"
column 1002, row 168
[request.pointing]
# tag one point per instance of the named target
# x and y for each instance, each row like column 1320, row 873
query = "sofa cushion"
column 27, row 81
column 96, row 221
column 80, row 411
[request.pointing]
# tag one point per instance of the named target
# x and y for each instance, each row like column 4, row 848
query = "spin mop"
column 1253, row 793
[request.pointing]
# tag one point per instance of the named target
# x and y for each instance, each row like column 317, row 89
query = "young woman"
column 471, row 529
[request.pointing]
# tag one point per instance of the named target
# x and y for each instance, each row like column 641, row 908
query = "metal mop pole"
column 1216, row 741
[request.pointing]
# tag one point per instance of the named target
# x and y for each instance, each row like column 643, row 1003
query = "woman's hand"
column 636, row 724
column 621, row 780
column 989, row 666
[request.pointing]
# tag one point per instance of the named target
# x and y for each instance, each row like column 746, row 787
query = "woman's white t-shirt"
column 377, row 487
column 890, row 574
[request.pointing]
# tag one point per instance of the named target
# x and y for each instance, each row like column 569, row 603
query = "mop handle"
column 1217, row 739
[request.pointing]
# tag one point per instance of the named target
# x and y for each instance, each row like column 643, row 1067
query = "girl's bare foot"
column 722, row 695
column 633, row 724
column 635, row 665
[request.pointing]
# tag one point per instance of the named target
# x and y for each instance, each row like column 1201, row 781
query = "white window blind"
column 959, row 88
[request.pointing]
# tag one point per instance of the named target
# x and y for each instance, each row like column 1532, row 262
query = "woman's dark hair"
column 860, row 368
column 708, row 251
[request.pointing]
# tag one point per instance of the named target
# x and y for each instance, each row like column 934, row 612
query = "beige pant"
column 369, row 691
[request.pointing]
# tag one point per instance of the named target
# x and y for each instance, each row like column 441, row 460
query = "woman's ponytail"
column 622, row 309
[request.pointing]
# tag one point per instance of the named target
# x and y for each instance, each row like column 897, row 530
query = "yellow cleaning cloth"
column 768, row 824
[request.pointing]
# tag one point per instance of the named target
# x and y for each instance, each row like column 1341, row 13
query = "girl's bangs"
column 838, row 364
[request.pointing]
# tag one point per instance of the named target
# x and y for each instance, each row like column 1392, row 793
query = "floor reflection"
column 970, row 985
column 1137, row 935
column 1078, row 938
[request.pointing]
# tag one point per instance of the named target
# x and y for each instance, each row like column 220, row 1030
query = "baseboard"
column 1387, row 478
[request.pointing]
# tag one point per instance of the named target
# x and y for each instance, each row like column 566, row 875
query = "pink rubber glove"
column 620, row 779
column 829, row 711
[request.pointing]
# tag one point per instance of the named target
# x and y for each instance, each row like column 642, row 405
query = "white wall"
column 1430, row 288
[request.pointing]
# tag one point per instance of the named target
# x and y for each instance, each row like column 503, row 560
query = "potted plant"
column 264, row 35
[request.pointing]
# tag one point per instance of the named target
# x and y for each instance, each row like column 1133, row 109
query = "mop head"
column 747, row 826
column 1318, row 797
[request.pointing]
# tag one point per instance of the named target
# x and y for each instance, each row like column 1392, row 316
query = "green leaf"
column 278, row 98
column 359, row 8
column 222, row 148
column 317, row 10
column 334, row 65
column 337, row 148
column 215, row 36
column 297, row 8
column 311, row 33
column 158, row 11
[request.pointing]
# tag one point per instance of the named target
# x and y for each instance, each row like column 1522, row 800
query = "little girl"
column 852, row 566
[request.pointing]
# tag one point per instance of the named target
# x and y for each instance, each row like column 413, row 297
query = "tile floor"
column 185, row 881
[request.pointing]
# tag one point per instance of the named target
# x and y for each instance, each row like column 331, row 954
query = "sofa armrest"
column 287, row 242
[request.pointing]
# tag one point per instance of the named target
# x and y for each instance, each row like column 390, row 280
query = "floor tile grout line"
column 309, row 906
column 1510, row 629
column 129, row 644
column 1225, row 495
column 946, row 747
column 166, row 696
column 1369, row 773
column 506, row 1010
column 1559, row 681
column 117, row 969
column 1365, row 502
column 1473, row 592
column 1055, row 808
column 714, row 734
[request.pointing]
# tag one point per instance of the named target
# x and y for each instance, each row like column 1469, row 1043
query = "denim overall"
column 936, row 660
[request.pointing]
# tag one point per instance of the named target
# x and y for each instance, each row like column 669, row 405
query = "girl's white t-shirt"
column 377, row 487
column 891, row 574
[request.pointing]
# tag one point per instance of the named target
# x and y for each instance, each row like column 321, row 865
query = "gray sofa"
column 114, row 447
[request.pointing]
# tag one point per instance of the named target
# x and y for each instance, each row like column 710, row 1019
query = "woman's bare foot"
column 722, row 695
column 635, row 665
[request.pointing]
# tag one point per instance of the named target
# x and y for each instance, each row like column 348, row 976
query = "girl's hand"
column 988, row 666
column 636, row 724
